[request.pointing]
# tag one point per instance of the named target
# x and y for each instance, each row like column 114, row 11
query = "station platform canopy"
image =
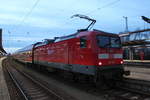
column 135, row 42
column 139, row 37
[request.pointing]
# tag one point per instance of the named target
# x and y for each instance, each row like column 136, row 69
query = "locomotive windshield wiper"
column 116, row 40
column 106, row 45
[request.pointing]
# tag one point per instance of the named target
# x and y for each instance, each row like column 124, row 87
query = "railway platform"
column 145, row 63
column 4, row 93
column 140, row 72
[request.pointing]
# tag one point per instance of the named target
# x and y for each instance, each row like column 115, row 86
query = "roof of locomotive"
column 84, row 33
column 97, row 32
column 103, row 32
column 57, row 39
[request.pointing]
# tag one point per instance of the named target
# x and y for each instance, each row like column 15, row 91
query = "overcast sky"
column 27, row 21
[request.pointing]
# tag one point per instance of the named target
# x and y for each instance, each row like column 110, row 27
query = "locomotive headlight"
column 121, row 62
column 100, row 63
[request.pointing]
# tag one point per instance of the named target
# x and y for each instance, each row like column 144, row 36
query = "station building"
column 136, row 44
column 2, row 51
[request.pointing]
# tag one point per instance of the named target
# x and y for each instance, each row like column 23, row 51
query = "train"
column 93, row 53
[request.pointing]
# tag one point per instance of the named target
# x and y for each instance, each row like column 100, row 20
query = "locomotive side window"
column 83, row 42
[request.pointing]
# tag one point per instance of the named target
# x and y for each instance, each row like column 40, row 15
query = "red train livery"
column 95, row 53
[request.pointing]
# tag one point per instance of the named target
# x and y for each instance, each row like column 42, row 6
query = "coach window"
column 83, row 42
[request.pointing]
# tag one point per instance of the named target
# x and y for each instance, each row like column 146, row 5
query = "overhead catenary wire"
column 22, row 21
column 104, row 6
column 31, row 10
column 28, row 14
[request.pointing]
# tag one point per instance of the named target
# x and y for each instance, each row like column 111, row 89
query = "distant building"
column 2, row 51
column 136, row 44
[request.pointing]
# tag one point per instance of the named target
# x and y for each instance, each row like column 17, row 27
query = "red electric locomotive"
column 94, row 53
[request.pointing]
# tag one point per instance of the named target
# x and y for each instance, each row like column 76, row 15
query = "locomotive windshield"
column 108, row 42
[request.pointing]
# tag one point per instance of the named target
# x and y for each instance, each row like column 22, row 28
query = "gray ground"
column 72, row 91
column 139, row 72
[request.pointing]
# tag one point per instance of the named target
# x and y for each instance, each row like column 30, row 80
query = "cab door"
column 77, row 50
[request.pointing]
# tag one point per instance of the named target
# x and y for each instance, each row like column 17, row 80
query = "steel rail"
column 134, row 85
column 41, row 85
column 17, row 85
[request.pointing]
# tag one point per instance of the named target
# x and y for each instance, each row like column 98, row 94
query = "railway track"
column 137, row 86
column 14, row 92
column 31, row 89
column 130, row 89
column 126, row 89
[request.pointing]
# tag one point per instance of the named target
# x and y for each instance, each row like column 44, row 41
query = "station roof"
column 133, row 32
column 135, row 42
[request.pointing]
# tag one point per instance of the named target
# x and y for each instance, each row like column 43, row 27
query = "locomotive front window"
column 108, row 42
column 115, row 42
column 103, row 41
